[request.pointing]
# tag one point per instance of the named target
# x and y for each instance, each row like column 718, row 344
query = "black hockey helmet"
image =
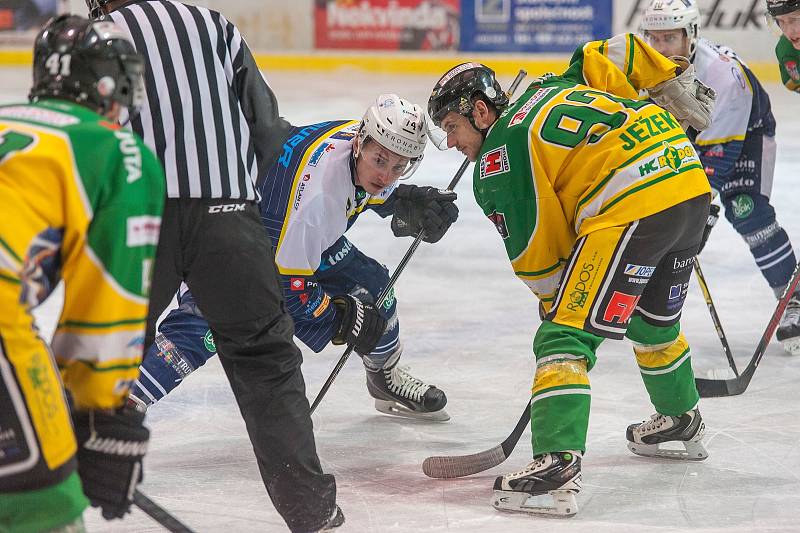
column 782, row 7
column 457, row 89
column 88, row 62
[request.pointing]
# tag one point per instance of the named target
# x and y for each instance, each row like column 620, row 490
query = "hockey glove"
column 713, row 216
column 428, row 209
column 111, row 446
column 686, row 97
column 359, row 324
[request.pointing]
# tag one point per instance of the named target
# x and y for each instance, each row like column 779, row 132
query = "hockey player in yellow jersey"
column 600, row 201
column 82, row 202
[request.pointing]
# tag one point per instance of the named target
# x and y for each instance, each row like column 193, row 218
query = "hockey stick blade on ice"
column 715, row 388
column 452, row 466
column 701, row 279
column 402, row 265
column 159, row 514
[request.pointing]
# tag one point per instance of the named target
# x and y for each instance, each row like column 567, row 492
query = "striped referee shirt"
column 208, row 113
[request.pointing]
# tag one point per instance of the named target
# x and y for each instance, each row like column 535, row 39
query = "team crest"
column 494, row 162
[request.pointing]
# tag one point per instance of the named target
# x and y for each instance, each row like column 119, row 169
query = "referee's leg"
column 231, row 272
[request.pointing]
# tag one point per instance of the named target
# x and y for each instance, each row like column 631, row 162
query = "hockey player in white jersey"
column 327, row 175
column 737, row 150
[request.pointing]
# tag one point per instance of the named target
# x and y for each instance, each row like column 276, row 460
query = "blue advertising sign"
column 533, row 25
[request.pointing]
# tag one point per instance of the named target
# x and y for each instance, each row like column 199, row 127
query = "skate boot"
column 788, row 331
column 398, row 393
column 136, row 404
column 547, row 486
column 652, row 438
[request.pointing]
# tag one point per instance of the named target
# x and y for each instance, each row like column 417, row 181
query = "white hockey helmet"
column 672, row 15
column 397, row 125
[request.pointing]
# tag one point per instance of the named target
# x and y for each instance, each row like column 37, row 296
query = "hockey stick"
column 714, row 388
column 448, row 467
column 406, row 258
column 701, row 279
column 157, row 513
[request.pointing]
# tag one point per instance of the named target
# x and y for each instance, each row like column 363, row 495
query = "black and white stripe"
column 192, row 116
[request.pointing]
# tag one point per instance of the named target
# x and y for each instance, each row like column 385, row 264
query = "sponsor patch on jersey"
column 322, row 306
column 738, row 76
column 494, row 162
column 791, row 68
column 38, row 114
column 639, row 271
column 742, row 206
column 620, row 307
column 672, row 158
column 715, row 151
column 678, row 291
column 317, row 154
column 343, row 135
column 297, row 284
column 522, row 112
column 142, row 230
column 499, row 221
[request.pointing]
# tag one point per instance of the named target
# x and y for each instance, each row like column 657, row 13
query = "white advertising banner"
column 739, row 24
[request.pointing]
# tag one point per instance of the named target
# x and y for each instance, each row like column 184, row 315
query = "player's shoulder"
column 719, row 67
column 784, row 49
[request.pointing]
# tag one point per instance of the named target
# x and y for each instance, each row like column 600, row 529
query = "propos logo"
column 717, row 14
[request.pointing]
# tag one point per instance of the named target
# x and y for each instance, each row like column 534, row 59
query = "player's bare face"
column 790, row 26
column 377, row 167
column 461, row 135
column 668, row 42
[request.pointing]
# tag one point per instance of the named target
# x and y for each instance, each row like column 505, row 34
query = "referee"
column 213, row 121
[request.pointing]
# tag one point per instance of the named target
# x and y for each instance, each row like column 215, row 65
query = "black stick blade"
column 449, row 467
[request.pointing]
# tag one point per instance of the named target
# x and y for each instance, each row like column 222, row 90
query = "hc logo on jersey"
column 494, row 162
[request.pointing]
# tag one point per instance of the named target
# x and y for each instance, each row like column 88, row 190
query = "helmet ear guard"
column 397, row 125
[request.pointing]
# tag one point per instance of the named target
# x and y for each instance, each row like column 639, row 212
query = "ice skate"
column 659, row 436
column 398, row 393
column 547, row 486
column 788, row 331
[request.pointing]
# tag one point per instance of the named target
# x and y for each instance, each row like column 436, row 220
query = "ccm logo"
column 225, row 208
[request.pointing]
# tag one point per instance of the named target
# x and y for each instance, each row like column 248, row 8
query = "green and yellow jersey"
column 580, row 152
column 789, row 63
column 82, row 202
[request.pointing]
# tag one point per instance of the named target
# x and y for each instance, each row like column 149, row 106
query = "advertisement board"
column 549, row 26
column 386, row 24
column 20, row 20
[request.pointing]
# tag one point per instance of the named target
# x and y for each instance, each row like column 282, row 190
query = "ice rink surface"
column 467, row 324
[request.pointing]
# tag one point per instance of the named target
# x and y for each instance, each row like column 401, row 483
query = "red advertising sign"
column 387, row 24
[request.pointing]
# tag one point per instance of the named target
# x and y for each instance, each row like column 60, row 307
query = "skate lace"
column 536, row 465
column 656, row 423
column 401, row 382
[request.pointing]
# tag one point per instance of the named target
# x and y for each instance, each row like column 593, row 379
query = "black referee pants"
column 221, row 249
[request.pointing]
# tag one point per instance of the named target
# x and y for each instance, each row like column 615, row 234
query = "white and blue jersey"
column 308, row 201
column 738, row 153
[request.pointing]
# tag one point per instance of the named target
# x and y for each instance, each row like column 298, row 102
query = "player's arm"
column 98, row 341
column 623, row 65
column 720, row 145
column 259, row 104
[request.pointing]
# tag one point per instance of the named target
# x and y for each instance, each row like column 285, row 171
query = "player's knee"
column 748, row 213
column 553, row 340
column 560, row 370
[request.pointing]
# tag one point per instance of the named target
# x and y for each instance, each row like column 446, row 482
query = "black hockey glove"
column 359, row 324
column 110, row 451
column 713, row 216
column 423, row 208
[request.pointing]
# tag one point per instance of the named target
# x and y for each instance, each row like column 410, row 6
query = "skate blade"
column 792, row 345
column 556, row 503
column 692, row 451
column 397, row 409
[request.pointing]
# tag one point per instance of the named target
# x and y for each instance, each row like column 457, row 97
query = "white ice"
column 467, row 325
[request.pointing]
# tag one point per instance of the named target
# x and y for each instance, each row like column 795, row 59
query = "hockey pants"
column 621, row 280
